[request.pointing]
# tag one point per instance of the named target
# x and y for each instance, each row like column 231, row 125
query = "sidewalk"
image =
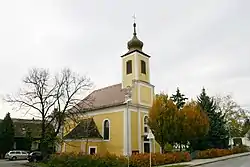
column 198, row 162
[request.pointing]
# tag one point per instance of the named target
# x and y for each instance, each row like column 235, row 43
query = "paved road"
column 235, row 162
column 6, row 163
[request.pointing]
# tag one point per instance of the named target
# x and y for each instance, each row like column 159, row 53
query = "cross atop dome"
column 135, row 43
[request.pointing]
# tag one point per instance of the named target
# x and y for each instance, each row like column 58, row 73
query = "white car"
column 16, row 155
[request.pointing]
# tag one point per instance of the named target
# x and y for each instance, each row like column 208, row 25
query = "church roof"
column 135, row 50
column 105, row 97
column 85, row 129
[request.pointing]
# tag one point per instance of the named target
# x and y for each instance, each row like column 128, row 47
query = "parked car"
column 16, row 155
column 35, row 156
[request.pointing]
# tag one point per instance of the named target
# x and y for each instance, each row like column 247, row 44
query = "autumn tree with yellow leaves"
column 170, row 125
column 193, row 121
column 162, row 120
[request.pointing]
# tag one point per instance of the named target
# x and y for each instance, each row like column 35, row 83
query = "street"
column 235, row 162
column 7, row 163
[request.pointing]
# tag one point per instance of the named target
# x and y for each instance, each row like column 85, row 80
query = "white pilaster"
column 139, row 130
column 125, row 132
column 129, row 131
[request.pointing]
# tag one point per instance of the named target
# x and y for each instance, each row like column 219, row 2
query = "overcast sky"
column 192, row 43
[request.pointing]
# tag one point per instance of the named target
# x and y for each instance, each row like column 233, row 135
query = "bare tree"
column 234, row 114
column 53, row 98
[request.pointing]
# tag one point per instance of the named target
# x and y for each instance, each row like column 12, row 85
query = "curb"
column 223, row 159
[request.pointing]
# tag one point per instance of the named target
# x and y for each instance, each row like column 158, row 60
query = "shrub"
column 142, row 160
column 109, row 160
column 168, row 148
column 212, row 153
column 79, row 160
column 240, row 149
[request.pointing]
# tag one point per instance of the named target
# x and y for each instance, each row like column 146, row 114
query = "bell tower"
column 135, row 63
column 136, row 81
column 136, row 71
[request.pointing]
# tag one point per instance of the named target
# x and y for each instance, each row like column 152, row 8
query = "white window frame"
column 146, row 133
column 142, row 61
column 144, row 125
column 103, row 129
column 150, row 146
column 95, row 147
column 127, row 67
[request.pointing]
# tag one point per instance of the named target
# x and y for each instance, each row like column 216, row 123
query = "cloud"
column 192, row 43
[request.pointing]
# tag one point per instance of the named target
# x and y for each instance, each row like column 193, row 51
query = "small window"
column 135, row 152
column 143, row 67
column 106, row 129
column 145, row 120
column 92, row 150
column 146, row 128
column 129, row 66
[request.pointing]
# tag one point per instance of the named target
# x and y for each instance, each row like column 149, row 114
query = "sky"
column 192, row 44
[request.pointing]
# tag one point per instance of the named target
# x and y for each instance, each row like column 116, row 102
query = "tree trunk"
column 46, row 138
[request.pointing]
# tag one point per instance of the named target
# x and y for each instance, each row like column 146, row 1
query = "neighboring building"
column 245, row 139
column 25, row 128
column 26, row 131
column 114, row 126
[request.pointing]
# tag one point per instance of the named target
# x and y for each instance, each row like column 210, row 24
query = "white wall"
column 246, row 141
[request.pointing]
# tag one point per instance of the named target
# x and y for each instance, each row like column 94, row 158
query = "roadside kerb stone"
column 213, row 160
column 198, row 162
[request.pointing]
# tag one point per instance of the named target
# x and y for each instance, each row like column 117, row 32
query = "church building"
column 116, row 122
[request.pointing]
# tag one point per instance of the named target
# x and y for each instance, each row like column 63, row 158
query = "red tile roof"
column 105, row 97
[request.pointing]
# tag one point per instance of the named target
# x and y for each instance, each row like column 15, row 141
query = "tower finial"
column 134, row 17
column 134, row 25
column 135, row 43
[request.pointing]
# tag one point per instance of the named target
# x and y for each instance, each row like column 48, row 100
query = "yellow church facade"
column 116, row 121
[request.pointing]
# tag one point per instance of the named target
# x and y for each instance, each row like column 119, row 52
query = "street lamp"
column 151, row 138
column 128, row 98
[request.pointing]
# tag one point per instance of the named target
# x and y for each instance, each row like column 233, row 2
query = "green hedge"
column 109, row 160
column 213, row 153
column 70, row 160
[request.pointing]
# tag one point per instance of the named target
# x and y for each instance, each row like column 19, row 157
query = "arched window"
column 146, row 120
column 129, row 66
column 146, row 142
column 143, row 67
column 146, row 130
column 106, row 130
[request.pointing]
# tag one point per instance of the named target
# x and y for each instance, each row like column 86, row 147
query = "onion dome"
column 135, row 43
